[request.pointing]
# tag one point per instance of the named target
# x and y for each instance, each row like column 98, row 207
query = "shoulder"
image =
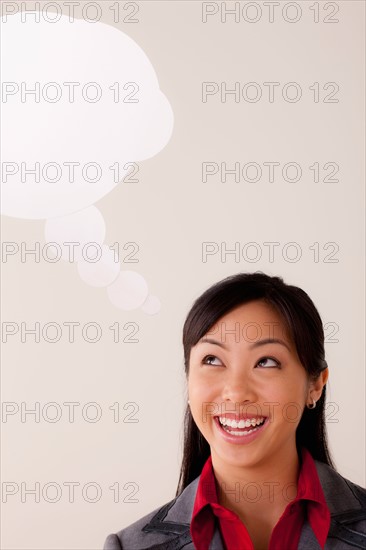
column 135, row 536
column 341, row 493
column 169, row 523
column 346, row 501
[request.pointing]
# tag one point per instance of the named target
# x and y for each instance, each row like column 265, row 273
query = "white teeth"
column 242, row 423
column 241, row 433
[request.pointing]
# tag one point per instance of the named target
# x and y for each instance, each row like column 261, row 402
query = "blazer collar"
column 345, row 500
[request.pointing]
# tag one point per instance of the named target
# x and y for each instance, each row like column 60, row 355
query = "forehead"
column 252, row 321
column 258, row 309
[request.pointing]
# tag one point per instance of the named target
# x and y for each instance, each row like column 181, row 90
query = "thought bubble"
column 80, row 228
column 101, row 273
column 80, row 103
column 128, row 291
column 151, row 305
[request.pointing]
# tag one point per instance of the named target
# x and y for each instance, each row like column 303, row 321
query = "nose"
column 238, row 390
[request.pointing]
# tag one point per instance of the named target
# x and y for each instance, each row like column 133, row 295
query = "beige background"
column 169, row 213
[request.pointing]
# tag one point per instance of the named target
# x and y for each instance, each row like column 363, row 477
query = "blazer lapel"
column 175, row 518
column 308, row 540
column 344, row 503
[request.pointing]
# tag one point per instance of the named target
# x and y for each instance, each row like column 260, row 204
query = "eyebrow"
column 263, row 342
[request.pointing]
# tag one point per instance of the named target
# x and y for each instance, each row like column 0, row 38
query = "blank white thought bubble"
column 80, row 101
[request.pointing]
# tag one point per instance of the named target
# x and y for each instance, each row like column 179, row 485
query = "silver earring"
column 188, row 401
column 313, row 405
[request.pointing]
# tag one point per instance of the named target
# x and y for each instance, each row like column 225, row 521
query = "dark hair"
column 305, row 327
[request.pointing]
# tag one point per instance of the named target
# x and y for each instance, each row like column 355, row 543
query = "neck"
column 261, row 487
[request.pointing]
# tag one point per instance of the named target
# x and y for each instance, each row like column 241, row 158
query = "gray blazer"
column 167, row 527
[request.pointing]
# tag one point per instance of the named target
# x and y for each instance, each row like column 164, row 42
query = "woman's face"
column 236, row 371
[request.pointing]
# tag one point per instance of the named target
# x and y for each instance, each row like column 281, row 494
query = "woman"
column 256, row 472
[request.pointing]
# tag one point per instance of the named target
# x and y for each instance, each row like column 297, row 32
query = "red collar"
column 309, row 489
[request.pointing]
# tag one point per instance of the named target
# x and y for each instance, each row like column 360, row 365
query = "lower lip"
column 240, row 439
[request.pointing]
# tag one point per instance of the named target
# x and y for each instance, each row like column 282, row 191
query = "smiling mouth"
column 233, row 428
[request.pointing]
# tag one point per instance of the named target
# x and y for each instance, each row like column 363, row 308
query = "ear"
column 316, row 386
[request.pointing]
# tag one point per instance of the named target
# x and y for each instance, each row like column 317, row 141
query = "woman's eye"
column 208, row 357
column 265, row 360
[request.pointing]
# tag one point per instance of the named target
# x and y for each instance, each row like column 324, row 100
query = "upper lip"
column 237, row 417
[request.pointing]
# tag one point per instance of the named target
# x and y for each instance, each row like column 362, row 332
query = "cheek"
column 297, row 387
column 203, row 387
column 291, row 385
column 285, row 399
column 291, row 399
column 203, row 400
column 199, row 391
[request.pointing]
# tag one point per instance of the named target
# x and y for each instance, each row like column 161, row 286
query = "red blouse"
column 287, row 531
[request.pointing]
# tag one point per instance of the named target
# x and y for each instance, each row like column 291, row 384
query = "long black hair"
column 305, row 327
